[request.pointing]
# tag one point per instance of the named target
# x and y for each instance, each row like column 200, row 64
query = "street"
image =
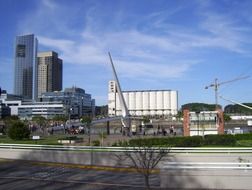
column 15, row 175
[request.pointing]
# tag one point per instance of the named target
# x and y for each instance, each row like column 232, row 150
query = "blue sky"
column 179, row 45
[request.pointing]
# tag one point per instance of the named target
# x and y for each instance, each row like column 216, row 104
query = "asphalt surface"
column 29, row 175
column 17, row 175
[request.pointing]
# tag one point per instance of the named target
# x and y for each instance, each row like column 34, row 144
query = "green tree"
column 146, row 119
column 18, row 131
column 196, row 107
column 40, row 120
column 8, row 122
column 227, row 118
column 60, row 118
column 179, row 115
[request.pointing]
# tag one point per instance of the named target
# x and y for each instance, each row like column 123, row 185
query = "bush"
column 247, row 136
column 69, row 138
column 173, row 142
column 244, row 143
column 96, row 143
column 18, row 131
column 193, row 141
column 228, row 140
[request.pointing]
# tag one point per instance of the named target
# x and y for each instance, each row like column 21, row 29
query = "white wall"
column 159, row 102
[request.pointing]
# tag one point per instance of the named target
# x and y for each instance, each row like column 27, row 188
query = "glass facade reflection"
column 25, row 67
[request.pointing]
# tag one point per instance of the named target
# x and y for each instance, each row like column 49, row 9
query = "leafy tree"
column 196, row 107
column 8, row 122
column 39, row 120
column 179, row 115
column 12, row 117
column 18, row 131
column 143, row 158
column 146, row 119
column 60, row 118
column 227, row 118
column 101, row 110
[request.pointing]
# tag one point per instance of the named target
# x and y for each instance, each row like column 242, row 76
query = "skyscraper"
column 49, row 72
column 25, row 66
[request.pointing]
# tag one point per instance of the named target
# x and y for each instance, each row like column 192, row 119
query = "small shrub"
column 114, row 144
column 228, row 140
column 123, row 143
column 69, row 138
column 247, row 136
column 170, row 141
column 18, row 131
column 244, row 143
column 96, row 143
column 193, row 141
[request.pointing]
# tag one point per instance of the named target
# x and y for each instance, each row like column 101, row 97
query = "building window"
column 20, row 50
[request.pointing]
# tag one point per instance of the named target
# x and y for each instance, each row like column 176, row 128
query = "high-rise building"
column 49, row 72
column 25, row 71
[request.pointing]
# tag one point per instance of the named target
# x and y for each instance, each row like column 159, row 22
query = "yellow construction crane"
column 217, row 84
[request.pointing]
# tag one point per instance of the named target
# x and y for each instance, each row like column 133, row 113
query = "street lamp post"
column 198, row 121
column 70, row 111
column 87, row 121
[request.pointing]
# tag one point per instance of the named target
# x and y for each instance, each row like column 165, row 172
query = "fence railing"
column 207, row 165
column 122, row 149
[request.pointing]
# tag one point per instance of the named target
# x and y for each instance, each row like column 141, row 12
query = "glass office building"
column 75, row 99
column 25, row 68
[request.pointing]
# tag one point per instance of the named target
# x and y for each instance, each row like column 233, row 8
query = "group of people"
column 75, row 131
column 162, row 131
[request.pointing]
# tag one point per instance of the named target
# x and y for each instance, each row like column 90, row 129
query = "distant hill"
column 229, row 109
column 196, row 107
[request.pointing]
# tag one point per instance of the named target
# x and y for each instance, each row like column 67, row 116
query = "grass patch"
column 50, row 140
column 244, row 143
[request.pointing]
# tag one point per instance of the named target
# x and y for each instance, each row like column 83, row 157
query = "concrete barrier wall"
column 170, row 178
column 206, row 179
column 85, row 158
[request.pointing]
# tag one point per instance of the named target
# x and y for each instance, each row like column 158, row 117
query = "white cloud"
column 154, row 70
column 143, row 48
column 138, row 53
column 49, row 4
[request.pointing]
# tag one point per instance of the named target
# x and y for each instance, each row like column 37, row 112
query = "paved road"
column 28, row 175
column 15, row 175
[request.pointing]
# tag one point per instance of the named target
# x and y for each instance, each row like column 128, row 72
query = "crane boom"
column 240, row 104
column 216, row 85
column 233, row 80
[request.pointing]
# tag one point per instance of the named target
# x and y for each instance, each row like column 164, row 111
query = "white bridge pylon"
column 125, row 118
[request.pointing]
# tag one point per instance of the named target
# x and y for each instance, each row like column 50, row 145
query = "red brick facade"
column 220, row 122
column 186, row 122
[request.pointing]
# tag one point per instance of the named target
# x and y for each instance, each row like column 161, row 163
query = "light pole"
column 198, row 120
column 70, row 111
column 87, row 121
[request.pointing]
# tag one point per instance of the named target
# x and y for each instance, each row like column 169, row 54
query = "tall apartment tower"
column 25, row 67
column 49, row 72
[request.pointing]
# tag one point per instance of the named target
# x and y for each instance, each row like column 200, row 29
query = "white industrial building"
column 143, row 102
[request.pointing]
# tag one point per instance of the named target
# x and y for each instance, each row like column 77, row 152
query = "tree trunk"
column 146, row 179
